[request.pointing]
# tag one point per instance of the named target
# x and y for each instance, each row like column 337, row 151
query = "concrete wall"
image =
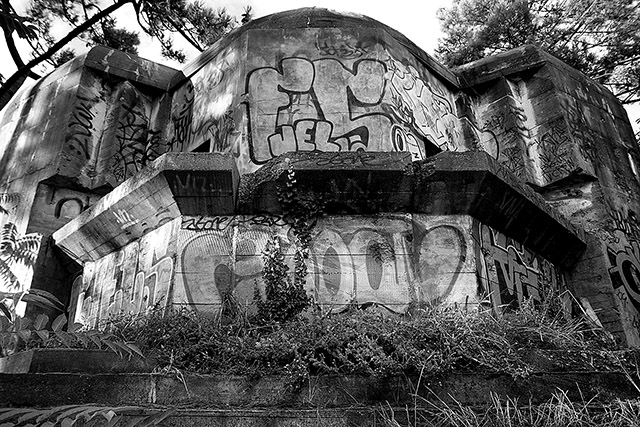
column 71, row 138
column 312, row 81
column 390, row 260
column 266, row 92
column 570, row 139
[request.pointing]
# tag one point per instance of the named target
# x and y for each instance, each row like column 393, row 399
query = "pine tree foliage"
column 601, row 38
column 93, row 22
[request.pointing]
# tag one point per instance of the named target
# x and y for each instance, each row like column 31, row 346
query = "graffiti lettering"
column 134, row 280
column 323, row 105
column 221, row 223
column 628, row 225
column 185, row 182
column 343, row 50
column 510, row 272
column 555, row 152
column 132, row 133
column 369, row 263
column 182, row 115
column 329, row 113
column 124, row 218
column 81, row 127
column 419, row 105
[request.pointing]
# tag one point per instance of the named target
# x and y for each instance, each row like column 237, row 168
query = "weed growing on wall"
column 301, row 209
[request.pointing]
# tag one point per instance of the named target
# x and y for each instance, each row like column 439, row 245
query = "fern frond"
column 25, row 250
column 7, row 277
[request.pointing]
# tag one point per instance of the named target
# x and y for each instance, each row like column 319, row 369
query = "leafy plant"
column 9, row 301
column 21, row 333
column 284, row 299
column 301, row 208
column 83, row 415
column 16, row 249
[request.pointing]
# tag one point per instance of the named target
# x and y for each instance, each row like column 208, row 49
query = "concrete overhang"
column 173, row 185
column 473, row 183
column 449, row 183
column 346, row 182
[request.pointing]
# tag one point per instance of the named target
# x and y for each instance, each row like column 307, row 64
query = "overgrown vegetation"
column 284, row 298
column 429, row 341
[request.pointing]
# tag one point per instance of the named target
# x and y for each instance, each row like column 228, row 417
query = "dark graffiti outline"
column 80, row 127
column 357, row 109
column 344, row 50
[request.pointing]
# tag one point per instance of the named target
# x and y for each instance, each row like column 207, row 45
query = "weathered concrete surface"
column 67, row 141
column 346, row 182
column 570, row 138
column 475, row 184
column 46, row 360
column 391, row 260
column 204, row 391
column 173, row 185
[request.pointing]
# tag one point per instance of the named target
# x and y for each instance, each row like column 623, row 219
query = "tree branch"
column 14, row 82
column 11, row 45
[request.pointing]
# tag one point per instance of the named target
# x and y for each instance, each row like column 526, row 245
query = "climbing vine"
column 286, row 298
column 301, row 208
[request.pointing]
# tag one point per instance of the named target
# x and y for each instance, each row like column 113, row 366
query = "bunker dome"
column 500, row 180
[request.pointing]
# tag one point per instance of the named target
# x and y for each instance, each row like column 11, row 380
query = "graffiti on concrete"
column 555, row 151
column 221, row 223
column 81, row 127
column 343, row 49
column 182, row 116
column 131, row 135
column 389, row 261
column 202, row 113
column 420, row 106
column 623, row 255
column 136, row 279
column 324, row 105
column 625, row 272
column 314, row 106
column 510, row 272
column 580, row 129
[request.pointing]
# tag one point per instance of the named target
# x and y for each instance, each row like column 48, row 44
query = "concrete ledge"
column 68, row 360
column 348, row 182
column 474, row 183
column 527, row 57
column 449, row 183
column 175, row 184
column 130, row 67
column 208, row 391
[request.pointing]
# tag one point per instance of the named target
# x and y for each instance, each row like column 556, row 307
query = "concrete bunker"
column 489, row 183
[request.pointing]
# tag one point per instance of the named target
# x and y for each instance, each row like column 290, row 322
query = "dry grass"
column 559, row 411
